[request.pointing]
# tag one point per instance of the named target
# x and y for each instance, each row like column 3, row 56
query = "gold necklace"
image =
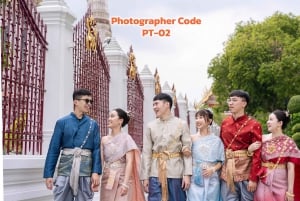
column 271, row 147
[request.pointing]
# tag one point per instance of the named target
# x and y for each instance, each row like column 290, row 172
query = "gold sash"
column 230, row 165
column 162, row 168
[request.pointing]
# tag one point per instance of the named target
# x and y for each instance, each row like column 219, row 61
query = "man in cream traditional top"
column 166, row 157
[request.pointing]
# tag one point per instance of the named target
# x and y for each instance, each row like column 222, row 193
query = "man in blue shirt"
column 76, row 139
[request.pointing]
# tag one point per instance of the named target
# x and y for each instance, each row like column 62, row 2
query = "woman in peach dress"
column 121, row 158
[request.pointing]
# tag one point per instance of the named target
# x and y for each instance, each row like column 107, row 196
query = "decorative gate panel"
column 91, row 69
column 135, row 100
column 23, row 45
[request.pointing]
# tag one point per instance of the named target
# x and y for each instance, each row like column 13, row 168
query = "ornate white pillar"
column 182, row 104
column 149, row 92
column 118, row 61
column 59, row 64
column 167, row 89
column 192, row 112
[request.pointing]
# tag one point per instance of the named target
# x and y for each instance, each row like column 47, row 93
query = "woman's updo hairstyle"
column 123, row 115
column 282, row 116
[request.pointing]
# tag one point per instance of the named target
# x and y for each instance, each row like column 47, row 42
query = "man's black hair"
column 165, row 97
column 78, row 93
column 241, row 94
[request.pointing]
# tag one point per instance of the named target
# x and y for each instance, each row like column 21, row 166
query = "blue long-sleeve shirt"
column 70, row 132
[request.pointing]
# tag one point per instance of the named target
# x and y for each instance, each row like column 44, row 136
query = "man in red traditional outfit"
column 238, row 131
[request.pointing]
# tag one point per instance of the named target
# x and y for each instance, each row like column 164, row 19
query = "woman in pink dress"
column 279, row 155
column 121, row 157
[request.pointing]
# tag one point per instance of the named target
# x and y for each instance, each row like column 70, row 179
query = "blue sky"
column 182, row 59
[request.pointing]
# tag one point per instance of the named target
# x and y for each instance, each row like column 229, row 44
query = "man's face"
column 83, row 104
column 236, row 104
column 160, row 107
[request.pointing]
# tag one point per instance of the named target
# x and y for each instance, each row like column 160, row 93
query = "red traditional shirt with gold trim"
column 251, row 132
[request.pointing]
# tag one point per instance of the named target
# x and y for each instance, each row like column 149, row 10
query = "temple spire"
column 100, row 13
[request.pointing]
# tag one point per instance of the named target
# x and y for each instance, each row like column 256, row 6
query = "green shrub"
column 296, row 138
column 296, row 128
column 294, row 104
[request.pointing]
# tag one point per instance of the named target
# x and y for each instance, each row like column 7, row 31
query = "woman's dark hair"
column 203, row 113
column 282, row 116
column 123, row 115
column 210, row 115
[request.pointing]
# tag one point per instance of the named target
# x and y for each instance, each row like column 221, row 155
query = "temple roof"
column 180, row 97
column 112, row 45
column 146, row 71
column 166, row 87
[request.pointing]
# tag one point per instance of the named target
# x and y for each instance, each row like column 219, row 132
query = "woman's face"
column 201, row 122
column 273, row 124
column 113, row 120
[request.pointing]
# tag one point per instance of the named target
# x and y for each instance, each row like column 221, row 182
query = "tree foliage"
column 262, row 58
column 294, row 126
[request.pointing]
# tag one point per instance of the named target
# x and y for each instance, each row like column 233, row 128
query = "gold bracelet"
column 249, row 153
column 125, row 185
column 290, row 194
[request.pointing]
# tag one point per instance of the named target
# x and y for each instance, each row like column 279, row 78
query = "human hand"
column 251, row 186
column 95, row 182
column 49, row 183
column 124, row 189
column 146, row 185
column 186, row 152
column 186, row 182
column 289, row 196
column 208, row 172
column 254, row 146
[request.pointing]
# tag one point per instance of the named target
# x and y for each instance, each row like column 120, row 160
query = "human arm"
column 208, row 172
column 187, row 159
column 128, row 172
column 96, row 154
column 53, row 151
column 146, row 158
column 101, row 151
column 97, row 162
column 253, row 147
column 256, row 133
column 291, row 177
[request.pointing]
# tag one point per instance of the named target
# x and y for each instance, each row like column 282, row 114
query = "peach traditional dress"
column 114, row 152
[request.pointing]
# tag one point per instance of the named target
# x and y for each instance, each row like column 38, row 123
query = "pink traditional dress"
column 114, row 152
column 276, row 153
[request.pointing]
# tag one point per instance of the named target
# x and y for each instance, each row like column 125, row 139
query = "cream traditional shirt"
column 171, row 135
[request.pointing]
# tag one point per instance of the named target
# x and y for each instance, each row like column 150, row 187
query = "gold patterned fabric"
column 237, row 162
column 162, row 168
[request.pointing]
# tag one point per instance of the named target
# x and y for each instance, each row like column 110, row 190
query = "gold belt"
column 115, row 164
column 162, row 168
column 230, row 165
column 166, row 155
column 273, row 165
column 235, row 154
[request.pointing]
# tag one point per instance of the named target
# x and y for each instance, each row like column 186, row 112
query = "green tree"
column 262, row 58
column 294, row 127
